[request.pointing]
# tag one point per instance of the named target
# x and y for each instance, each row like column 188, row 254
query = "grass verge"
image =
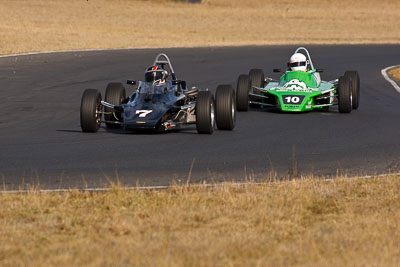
column 41, row 25
column 300, row 222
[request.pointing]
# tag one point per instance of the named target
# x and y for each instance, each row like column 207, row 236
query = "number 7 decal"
column 143, row 113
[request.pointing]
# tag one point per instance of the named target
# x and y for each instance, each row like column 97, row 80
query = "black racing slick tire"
column 90, row 110
column 225, row 107
column 344, row 95
column 355, row 87
column 115, row 94
column 257, row 80
column 242, row 92
column 257, row 77
column 205, row 113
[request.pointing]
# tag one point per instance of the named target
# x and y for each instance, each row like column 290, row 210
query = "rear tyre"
column 225, row 107
column 344, row 95
column 90, row 110
column 242, row 92
column 115, row 94
column 205, row 113
column 355, row 87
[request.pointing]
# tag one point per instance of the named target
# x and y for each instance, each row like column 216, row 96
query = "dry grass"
column 395, row 73
column 38, row 25
column 351, row 222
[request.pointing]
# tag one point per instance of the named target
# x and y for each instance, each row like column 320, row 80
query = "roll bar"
column 308, row 55
column 162, row 59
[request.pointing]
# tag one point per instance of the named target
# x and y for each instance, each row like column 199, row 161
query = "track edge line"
column 390, row 80
column 163, row 187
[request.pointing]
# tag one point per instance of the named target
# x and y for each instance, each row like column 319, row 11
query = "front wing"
column 293, row 101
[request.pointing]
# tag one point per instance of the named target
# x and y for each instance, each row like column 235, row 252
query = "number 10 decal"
column 292, row 99
column 143, row 113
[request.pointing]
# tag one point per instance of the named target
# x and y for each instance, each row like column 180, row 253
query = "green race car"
column 299, row 89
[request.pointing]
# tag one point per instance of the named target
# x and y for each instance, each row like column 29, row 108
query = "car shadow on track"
column 137, row 132
column 69, row 131
column 277, row 111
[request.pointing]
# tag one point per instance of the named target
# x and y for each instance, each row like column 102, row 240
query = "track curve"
column 41, row 141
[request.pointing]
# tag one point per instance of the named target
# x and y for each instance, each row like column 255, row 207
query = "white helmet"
column 298, row 62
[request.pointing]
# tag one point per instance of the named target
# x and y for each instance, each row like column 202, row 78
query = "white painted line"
column 78, row 51
column 387, row 78
column 84, row 189
column 163, row 187
column 156, row 187
column 117, row 49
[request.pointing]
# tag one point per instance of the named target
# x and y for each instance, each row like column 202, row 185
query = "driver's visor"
column 297, row 64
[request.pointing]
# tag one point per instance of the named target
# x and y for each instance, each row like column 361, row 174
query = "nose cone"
column 145, row 116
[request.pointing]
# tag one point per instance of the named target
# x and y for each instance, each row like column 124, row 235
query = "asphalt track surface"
column 41, row 141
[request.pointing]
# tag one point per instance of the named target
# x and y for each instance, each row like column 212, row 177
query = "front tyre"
column 355, row 87
column 257, row 80
column 344, row 95
column 90, row 110
column 225, row 107
column 115, row 94
column 205, row 113
column 257, row 77
column 242, row 92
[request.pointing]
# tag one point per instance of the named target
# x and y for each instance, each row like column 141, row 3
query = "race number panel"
column 143, row 113
column 292, row 99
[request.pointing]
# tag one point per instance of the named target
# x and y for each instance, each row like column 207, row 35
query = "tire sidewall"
column 243, row 88
column 345, row 95
column 355, row 87
column 205, row 113
column 90, row 115
column 115, row 94
column 225, row 107
column 257, row 77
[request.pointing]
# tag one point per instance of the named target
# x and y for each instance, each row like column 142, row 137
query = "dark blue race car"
column 161, row 102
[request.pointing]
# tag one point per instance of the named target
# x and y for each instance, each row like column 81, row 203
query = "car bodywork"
column 161, row 103
column 296, row 91
column 157, row 105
